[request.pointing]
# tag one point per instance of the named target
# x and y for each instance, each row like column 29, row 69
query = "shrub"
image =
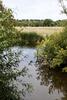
column 54, row 50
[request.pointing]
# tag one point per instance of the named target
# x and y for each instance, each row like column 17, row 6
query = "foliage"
column 62, row 2
column 9, row 36
column 48, row 22
column 9, row 63
column 54, row 50
column 26, row 39
column 38, row 23
column 6, row 27
column 55, row 80
column 9, row 60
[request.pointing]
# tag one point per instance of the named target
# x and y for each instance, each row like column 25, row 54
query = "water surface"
column 47, row 85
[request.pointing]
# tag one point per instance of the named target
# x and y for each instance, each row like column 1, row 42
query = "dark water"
column 47, row 84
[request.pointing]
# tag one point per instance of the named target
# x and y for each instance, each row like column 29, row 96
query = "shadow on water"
column 55, row 80
column 20, row 71
column 10, row 74
column 47, row 84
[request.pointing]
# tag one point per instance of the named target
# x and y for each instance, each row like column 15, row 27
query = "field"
column 41, row 30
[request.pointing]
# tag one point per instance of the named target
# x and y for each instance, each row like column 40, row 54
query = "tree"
column 63, row 6
column 54, row 49
column 48, row 22
column 9, row 60
column 6, row 26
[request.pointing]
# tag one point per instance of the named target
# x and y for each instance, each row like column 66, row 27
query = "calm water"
column 47, row 85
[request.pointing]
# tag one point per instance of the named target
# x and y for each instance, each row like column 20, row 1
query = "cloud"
column 35, row 9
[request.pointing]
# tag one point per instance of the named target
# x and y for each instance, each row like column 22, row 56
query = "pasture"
column 40, row 30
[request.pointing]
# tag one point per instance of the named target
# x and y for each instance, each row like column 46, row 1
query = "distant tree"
column 48, row 22
column 61, row 22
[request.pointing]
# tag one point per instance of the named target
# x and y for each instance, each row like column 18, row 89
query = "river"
column 46, row 85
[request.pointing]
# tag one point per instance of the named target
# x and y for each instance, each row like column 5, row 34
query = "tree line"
column 39, row 23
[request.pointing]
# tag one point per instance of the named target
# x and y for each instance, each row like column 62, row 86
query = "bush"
column 54, row 50
column 26, row 39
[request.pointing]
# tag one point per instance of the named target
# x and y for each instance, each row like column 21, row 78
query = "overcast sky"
column 35, row 9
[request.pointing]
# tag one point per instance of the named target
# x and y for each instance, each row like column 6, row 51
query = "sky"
column 35, row 9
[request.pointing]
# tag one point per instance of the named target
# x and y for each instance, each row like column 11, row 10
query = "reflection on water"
column 55, row 80
column 10, row 74
column 47, row 84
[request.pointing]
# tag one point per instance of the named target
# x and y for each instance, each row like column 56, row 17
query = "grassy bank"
column 25, row 39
